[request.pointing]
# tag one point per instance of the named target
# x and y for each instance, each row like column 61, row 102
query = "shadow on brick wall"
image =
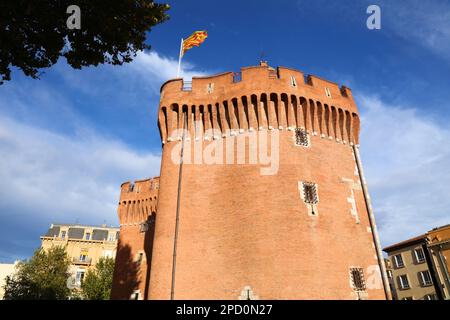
column 125, row 278
column 148, row 248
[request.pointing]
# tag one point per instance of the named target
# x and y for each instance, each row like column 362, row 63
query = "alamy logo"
column 374, row 20
column 252, row 148
column 74, row 20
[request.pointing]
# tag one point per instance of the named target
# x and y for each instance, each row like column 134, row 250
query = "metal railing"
column 86, row 260
column 187, row 86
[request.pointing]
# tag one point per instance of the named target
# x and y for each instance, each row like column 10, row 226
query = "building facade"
column 412, row 273
column 293, row 221
column 85, row 245
column 390, row 276
column 6, row 269
column 438, row 243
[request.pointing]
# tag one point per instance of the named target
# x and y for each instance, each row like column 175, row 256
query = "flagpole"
column 179, row 58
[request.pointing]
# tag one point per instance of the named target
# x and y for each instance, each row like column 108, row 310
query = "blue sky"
column 68, row 140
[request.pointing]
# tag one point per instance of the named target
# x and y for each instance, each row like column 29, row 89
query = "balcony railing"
column 187, row 86
column 86, row 260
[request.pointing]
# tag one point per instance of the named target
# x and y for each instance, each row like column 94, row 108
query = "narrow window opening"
column 293, row 82
column 328, row 92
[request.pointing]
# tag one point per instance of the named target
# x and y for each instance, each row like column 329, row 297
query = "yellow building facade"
column 411, row 271
column 84, row 244
column 439, row 247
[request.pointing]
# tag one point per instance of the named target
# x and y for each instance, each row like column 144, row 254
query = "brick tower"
column 232, row 225
column 137, row 212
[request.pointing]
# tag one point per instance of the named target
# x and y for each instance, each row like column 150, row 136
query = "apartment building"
column 411, row 271
column 85, row 245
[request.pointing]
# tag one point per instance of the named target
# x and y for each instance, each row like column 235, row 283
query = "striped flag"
column 194, row 40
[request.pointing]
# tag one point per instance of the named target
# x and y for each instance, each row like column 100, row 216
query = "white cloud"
column 60, row 158
column 144, row 75
column 406, row 159
column 426, row 23
column 61, row 178
column 155, row 66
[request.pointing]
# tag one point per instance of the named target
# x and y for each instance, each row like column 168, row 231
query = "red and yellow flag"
column 194, row 40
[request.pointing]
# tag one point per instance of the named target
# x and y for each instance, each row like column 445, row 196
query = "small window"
column 357, row 276
column 248, row 294
column 430, row 297
column 293, row 82
column 425, row 278
column 328, row 92
column 111, row 237
column 88, row 236
column 310, row 193
column 408, row 298
column 398, row 261
column 79, row 278
column 418, row 254
column 84, row 255
column 301, row 137
column 210, row 87
column 63, row 235
column 403, row 282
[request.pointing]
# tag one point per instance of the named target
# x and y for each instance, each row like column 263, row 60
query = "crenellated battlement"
column 258, row 98
column 138, row 200
column 266, row 77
